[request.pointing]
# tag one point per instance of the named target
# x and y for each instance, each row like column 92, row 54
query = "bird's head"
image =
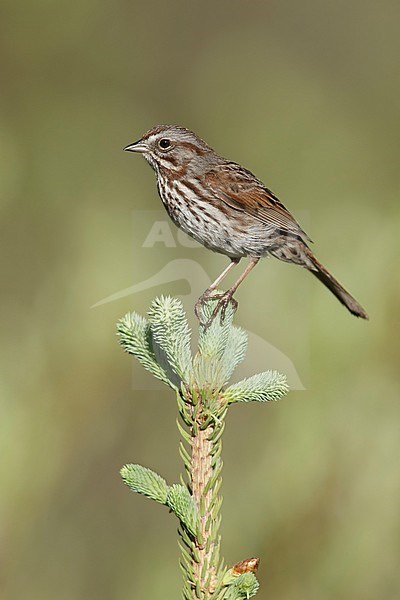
column 170, row 147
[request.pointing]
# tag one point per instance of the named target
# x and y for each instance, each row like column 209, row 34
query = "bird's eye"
column 164, row 143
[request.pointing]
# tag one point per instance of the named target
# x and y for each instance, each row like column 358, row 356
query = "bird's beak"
column 139, row 146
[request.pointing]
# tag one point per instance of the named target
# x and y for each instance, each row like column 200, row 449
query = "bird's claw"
column 224, row 300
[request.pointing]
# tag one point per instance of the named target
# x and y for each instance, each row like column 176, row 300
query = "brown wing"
column 241, row 190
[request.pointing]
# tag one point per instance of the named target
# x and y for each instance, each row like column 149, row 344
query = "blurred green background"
column 307, row 96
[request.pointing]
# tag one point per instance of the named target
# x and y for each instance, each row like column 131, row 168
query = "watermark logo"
column 182, row 256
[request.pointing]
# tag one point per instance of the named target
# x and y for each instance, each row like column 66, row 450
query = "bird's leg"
column 227, row 298
column 204, row 297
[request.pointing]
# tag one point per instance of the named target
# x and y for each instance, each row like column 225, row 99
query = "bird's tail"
column 334, row 286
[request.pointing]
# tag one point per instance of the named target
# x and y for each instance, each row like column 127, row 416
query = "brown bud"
column 248, row 565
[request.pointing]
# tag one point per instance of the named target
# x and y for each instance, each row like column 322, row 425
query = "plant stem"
column 204, row 570
column 204, row 472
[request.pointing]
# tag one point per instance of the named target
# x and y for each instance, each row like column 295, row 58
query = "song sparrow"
column 226, row 208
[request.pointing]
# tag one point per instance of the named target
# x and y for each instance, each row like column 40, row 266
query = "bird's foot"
column 224, row 300
column 198, row 307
